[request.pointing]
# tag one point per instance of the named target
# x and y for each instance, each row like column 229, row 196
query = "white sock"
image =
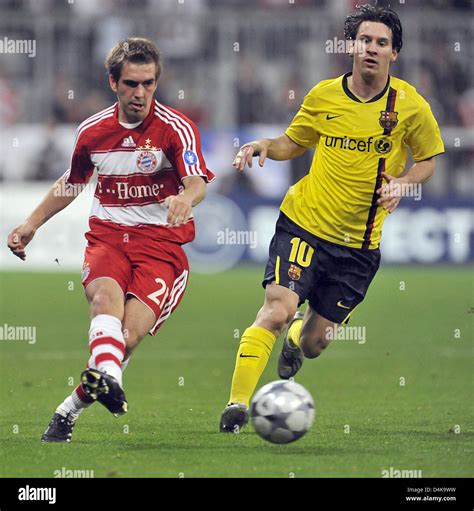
column 72, row 406
column 107, row 345
column 123, row 365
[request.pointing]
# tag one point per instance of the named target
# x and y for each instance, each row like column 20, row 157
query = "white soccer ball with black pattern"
column 282, row 411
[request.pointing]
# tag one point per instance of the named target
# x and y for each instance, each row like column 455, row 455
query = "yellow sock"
column 254, row 351
column 295, row 331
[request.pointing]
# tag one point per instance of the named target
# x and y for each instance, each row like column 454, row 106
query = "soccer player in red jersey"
column 150, row 173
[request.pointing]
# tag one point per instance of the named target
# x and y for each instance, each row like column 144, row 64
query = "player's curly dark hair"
column 133, row 49
column 374, row 13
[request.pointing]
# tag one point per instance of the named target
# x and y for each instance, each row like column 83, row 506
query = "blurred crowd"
column 271, row 51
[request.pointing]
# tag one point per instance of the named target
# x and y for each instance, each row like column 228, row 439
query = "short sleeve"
column 424, row 137
column 81, row 168
column 185, row 146
column 302, row 129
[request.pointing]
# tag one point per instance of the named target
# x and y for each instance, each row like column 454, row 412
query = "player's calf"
column 313, row 338
column 312, row 346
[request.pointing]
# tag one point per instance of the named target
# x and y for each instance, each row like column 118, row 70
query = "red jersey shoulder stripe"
column 93, row 120
column 88, row 123
column 185, row 132
column 98, row 114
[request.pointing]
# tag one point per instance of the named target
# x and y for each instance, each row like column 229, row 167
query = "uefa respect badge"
column 86, row 269
column 190, row 157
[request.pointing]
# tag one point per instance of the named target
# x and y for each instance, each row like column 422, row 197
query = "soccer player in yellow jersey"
column 326, row 244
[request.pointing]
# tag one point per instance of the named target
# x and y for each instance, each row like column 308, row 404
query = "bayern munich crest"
column 147, row 161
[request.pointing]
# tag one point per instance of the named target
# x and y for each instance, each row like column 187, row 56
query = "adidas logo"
column 128, row 142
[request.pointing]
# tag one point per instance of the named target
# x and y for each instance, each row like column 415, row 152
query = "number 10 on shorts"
column 301, row 252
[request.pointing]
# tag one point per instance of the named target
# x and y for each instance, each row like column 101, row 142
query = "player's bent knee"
column 105, row 303
column 275, row 316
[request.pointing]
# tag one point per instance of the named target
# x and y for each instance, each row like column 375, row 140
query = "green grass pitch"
column 418, row 332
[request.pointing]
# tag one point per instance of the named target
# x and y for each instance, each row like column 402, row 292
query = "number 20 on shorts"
column 301, row 252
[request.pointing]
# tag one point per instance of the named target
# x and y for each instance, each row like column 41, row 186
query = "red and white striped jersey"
column 137, row 168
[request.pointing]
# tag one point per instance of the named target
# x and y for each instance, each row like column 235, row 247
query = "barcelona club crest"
column 147, row 161
column 294, row 272
column 388, row 120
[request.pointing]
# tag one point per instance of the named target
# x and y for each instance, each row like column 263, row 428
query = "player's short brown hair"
column 378, row 14
column 133, row 49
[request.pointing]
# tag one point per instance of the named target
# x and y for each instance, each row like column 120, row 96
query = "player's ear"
column 394, row 56
column 112, row 83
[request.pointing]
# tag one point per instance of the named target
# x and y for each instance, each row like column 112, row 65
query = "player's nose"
column 372, row 48
column 139, row 91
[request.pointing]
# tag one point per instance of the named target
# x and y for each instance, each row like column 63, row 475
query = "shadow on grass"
column 236, row 444
column 420, row 435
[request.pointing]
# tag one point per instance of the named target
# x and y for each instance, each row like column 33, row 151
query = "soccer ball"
column 282, row 411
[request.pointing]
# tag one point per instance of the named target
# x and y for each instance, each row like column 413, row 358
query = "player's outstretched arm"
column 180, row 206
column 281, row 148
column 55, row 201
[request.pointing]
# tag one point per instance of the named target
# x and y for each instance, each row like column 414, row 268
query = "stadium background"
column 239, row 69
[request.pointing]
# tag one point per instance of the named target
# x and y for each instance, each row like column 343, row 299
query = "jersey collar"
column 144, row 124
column 355, row 98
